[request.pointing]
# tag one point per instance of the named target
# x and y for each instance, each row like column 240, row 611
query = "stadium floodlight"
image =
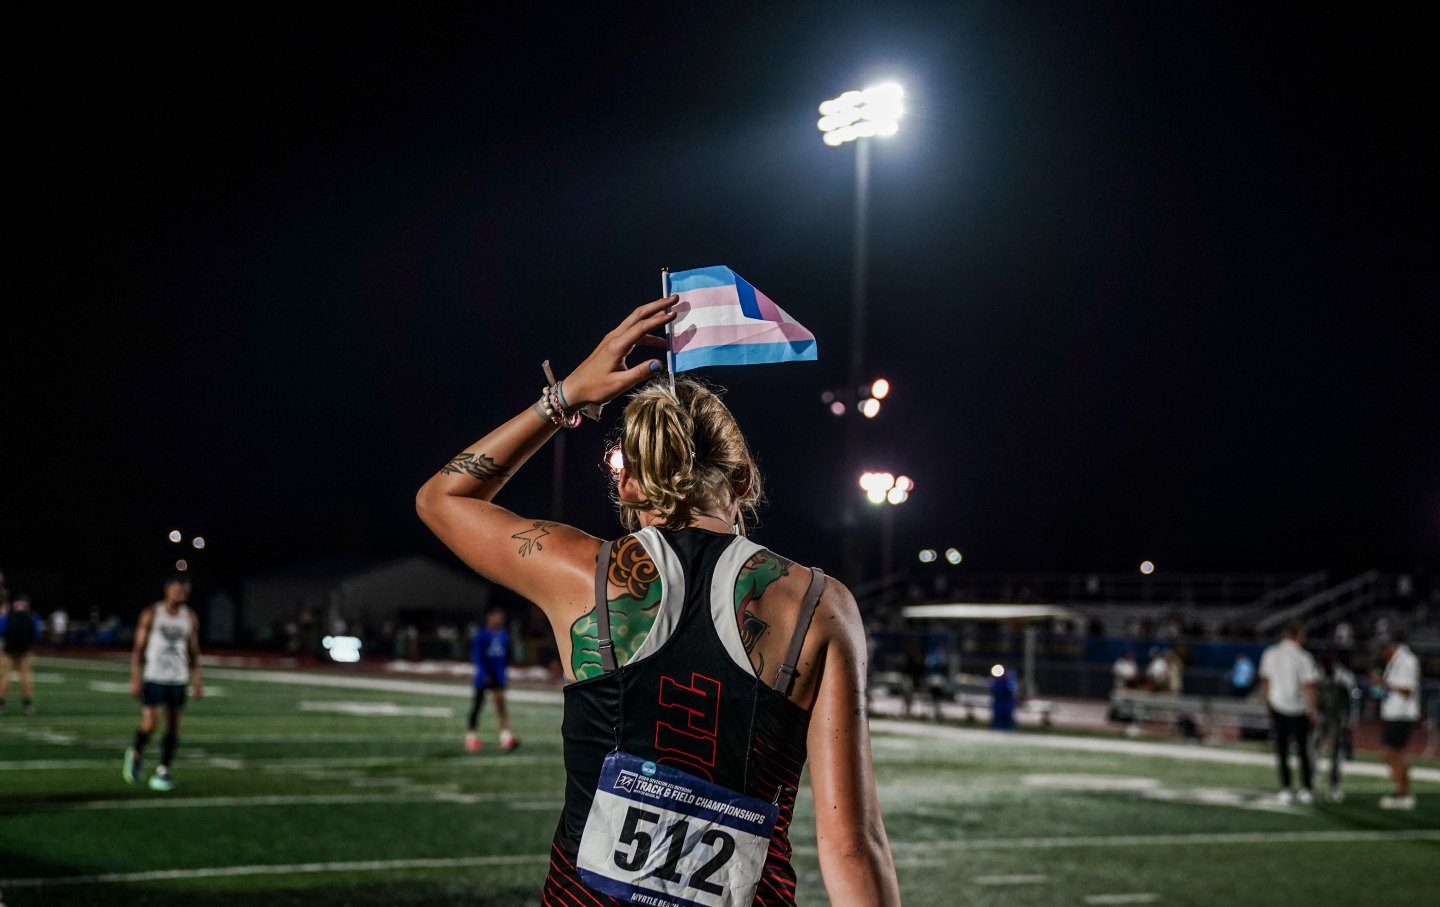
column 869, row 407
column 199, row 542
column 837, row 408
column 1147, row 567
column 953, row 557
column 175, row 535
column 182, row 565
column 876, row 111
column 997, row 671
column 928, row 555
column 880, row 388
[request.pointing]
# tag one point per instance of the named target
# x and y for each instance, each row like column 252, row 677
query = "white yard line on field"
column 1338, row 837
column 1120, row 747
column 1137, row 898
column 1011, row 880
column 343, row 681
column 231, row 761
column 512, row 801
column 214, row 872
column 1182, row 840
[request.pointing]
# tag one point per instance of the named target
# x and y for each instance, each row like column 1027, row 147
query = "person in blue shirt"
column 19, row 629
column 1003, row 692
column 1242, row 675
column 490, row 653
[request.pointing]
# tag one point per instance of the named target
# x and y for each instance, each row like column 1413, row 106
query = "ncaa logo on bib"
column 648, row 769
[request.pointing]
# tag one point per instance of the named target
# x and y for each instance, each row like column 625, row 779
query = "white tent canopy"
column 997, row 611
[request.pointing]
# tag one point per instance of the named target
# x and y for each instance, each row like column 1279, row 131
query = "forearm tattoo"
column 478, row 466
column 530, row 538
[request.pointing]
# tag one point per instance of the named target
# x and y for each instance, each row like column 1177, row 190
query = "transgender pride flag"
column 723, row 320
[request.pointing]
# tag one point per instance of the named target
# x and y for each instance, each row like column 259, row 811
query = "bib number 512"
column 632, row 835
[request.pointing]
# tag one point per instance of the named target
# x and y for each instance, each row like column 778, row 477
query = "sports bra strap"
column 786, row 676
column 602, row 608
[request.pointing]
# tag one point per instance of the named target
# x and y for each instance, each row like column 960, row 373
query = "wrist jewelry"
column 555, row 390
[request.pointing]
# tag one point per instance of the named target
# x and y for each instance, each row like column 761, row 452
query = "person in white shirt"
column 1125, row 671
column 1399, row 713
column 1287, row 679
column 1157, row 672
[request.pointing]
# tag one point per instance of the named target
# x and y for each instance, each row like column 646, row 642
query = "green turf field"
column 311, row 789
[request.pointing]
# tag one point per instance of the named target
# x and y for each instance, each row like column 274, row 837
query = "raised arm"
column 549, row 563
column 855, row 857
column 137, row 654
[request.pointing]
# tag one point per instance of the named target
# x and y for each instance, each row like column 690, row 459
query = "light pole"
column 858, row 116
column 887, row 492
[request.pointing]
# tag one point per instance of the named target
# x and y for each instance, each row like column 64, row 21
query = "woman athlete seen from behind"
column 704, row 669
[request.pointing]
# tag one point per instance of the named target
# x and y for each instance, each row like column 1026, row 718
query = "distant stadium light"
column 855, row 115
column 182, row 565
column 953, row 556
column 897, row 495
column 876, row 495
column 928, row 555
column 837, row 408
column 175, row 535
column 880, row 389
column 344, row 649
column 905, row 483
column 615, row 460
column 869, row 407
column 997, row 671
column 199, row 542
column 1147, row 567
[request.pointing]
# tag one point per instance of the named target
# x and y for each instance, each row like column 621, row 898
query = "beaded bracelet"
column 558, row 410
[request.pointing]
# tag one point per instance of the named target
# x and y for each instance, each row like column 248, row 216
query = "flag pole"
column 669, row 330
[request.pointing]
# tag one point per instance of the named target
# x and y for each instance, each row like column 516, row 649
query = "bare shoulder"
column 837, row 616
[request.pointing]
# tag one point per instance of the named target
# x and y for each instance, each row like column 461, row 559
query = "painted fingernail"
column 654, row 365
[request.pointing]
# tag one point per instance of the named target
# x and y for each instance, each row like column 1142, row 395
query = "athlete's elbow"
column 427, row 503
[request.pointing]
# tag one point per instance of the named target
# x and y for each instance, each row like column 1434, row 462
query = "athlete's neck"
column 707, row 521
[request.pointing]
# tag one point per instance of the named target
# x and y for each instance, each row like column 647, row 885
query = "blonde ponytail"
column 687, row 455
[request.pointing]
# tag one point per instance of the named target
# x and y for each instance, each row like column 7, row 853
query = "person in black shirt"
column 688, row 651
column 19, row 629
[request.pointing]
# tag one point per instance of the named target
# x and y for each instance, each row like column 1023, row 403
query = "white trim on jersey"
column 672, row 592
column 722, row 599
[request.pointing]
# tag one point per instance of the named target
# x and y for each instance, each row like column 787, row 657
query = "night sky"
column 1151, row 280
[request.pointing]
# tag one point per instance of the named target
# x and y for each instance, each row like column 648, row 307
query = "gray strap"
column 786, row 676
column 602, row 608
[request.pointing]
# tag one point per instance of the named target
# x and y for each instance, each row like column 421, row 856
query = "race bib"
column 657, row 835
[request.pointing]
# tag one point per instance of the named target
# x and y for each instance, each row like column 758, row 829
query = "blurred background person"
column 1125, row 671
column 59, row 626
column 1399, row 713
column 490, row 653
column 1241, row 676
column 1287, row 679
column 1334, row 694
column 19, row 629
column 164, row 662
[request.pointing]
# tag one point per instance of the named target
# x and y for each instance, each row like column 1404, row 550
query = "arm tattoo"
column 530, row 538
column 477, row 466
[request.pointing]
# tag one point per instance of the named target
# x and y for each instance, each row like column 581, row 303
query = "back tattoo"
column 634, row 596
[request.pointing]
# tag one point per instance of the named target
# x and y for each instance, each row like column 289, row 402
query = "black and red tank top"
column 688, row 697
